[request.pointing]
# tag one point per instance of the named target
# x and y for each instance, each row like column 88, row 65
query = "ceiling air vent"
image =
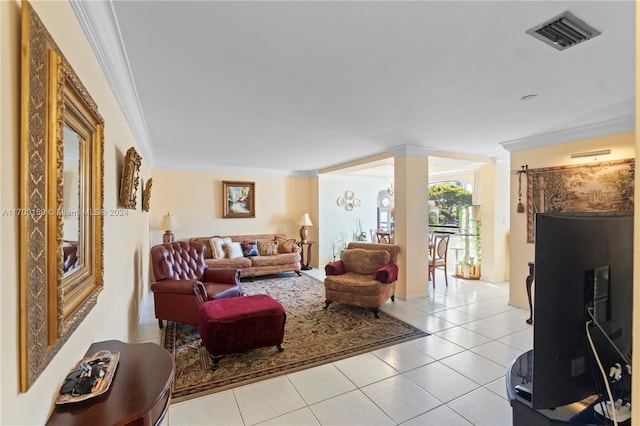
column 563, row 31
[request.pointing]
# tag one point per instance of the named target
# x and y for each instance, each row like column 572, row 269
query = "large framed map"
column 596, row 187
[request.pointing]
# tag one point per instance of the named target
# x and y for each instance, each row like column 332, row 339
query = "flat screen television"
column 582, row 261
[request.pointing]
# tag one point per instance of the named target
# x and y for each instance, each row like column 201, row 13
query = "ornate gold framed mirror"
column 61, row 201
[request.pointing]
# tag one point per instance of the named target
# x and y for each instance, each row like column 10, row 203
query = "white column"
column 411, row 179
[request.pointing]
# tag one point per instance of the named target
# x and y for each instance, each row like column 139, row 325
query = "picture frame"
column 238, row 199
column 605, row 186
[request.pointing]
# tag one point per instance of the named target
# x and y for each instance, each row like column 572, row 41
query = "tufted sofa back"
column 178, row 260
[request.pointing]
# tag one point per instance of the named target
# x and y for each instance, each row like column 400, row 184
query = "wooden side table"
column 139, row 393
column 308, row 244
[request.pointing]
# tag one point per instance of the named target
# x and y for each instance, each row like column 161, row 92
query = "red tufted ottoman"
column 238, row 324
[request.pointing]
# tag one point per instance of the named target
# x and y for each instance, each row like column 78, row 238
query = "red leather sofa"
column 178, row 267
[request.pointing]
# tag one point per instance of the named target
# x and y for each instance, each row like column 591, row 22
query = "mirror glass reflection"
column 71, row 236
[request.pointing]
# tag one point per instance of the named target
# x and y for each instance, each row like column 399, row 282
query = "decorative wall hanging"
column 130, row 179
column 348, row 201
column 61, row 200
column 146, row 195
column 238, row 199
column 595, row 187
column 522, row 171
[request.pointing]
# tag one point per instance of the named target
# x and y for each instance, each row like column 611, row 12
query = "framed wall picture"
column 593, row 187
column 238, row 199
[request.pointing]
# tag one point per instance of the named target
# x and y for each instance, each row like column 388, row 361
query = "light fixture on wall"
column 169, row 223
column 591, row 153
column 523, row 171
column 304, row 221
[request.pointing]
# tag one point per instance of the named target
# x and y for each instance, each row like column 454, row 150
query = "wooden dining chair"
column 383, row 237
column 438, row 257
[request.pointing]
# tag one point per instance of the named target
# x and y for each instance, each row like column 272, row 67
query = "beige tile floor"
column 453, row 377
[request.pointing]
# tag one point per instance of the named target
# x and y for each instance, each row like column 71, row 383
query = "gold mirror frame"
column 53, row 303
column 130, row 179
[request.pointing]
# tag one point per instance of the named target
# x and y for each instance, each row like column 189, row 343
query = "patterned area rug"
column 313, row 336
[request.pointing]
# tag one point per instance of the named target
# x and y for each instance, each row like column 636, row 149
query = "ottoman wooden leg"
column 280, row 348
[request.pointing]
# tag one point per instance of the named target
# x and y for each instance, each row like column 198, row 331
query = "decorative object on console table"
column 130, row 179
column 305, row 263
column 139, row 394
column 239, row 199
column 169, row 223
column 304, row 221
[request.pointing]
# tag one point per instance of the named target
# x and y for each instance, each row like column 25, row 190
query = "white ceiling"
column 303, row 85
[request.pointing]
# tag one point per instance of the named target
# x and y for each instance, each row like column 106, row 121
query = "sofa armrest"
column 334, row 268
column 387, row 274
column 222, row 275
column 174, row 286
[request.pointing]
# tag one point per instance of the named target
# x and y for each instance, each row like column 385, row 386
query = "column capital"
column 411, row 151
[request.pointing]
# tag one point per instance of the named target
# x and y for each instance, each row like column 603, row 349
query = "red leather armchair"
column 178, row 268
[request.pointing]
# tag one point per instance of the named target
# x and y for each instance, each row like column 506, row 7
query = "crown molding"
column 100, row 25
column 602, row 128
column 213, row 168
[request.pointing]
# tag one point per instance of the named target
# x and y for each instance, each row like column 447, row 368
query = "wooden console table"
column 139, row 393
column 529, row 281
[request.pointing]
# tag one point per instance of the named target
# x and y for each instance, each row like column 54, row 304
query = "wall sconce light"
column 304, row 221
column 591, row 153
column 523, row 171
column 169, row 223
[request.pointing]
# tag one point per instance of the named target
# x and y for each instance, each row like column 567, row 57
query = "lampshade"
column 304, row 220
column 169, row 222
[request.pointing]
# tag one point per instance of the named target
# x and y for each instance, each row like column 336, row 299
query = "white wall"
column 336, row 222
column 195, row 199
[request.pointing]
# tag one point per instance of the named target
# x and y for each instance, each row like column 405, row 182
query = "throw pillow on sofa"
column 216, row 244
column 232, row 250
column 286, row 246
column 363, row 261
column 249, row 248
column 267, row 247
column 208, row 248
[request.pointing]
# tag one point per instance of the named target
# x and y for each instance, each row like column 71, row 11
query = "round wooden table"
column 139, row 393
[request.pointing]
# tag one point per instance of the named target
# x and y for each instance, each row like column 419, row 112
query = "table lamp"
column 169, row 223
column 304, row 221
